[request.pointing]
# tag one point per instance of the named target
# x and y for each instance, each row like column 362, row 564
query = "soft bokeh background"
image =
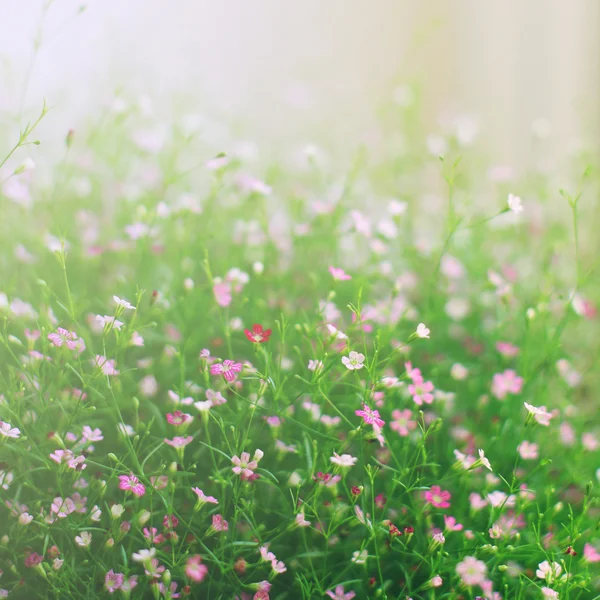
column 283, row 69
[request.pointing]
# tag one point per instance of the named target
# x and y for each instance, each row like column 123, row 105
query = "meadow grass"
column 261, row 377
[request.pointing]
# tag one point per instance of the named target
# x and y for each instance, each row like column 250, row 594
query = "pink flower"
column 339, row 274
column 113, row 581
column 370, row 416
column 451, row 524
column 194, row 568
column 219, row 523
column 438, row 497
column 62, row 508
column 63, row 336
column 402, row 422
column 339, row 593
column 539, row 413
column 179, row 442
column 471, row 571
column 178, row 418
column 131, row 483
column 107, row 366
column 244, row 466
column 222, row 292
column 506, row 383
column 203, row 498
column 590, row 554
column 7, row 430
column 258, row 335
column 227, row 368
column 421, row 392
column 278, row 566
column 507, row 349
column 527, row 450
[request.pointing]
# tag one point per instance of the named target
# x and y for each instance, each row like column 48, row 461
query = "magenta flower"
column 63, row 337
column 438, row 497
column 178, row 418
column 227, row 368
column 113, row 581
column 131, row 483
column 370, row 416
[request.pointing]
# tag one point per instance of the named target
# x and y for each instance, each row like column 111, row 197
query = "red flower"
column 258, row 335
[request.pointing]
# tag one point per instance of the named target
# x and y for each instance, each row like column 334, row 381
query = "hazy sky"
column 507, row 61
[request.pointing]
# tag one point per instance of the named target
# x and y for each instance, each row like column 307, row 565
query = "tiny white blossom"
column 83, row 540
column 422, row 331
column 123, row 303
column 355, row 360
column 345, row 460
column 514, row 203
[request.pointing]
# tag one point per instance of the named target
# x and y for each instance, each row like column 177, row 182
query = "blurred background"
column 281, row 70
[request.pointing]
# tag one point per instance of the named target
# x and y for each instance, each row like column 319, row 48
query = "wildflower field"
column 234, row 374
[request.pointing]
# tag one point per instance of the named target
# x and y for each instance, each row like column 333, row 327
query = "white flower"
column 96, row 513
column 8, row 431
column 25, row 518
column 345, row 460
column 144, row 554
column 422, row 331
column 84, row 540
column 514, row 203
column 355, row 360
column 549, row 571
column 116, row 510
column 315, row 365
column 106, row 320
column 484, row 461
column 123, row 303
column 339, row 335
column 360, row 558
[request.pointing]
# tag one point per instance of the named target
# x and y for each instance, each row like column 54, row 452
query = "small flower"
column 124, row 304
column 590, row 554
column 539, row 413
column 527, row 450
column 131, row 483
column 227, row 368
column 483, row 460
column 345, row 460
column 422, row 331
column 111, row 322
column 360, row 557
column 550, row 571
column 107, row 366
column 62, row 508
column 339, row 594
column 438, row 497
column 194, row 568
column 403, row 423
column 339, row 274
column 370, row 416
column 25, row 518
column 219, row 523
column 113, row 581
column 7, row 430
column 63, row 337
column 84, row 540
column 514, row 204
column 549, row 593
column 315, row 365
column 244, row 466
column 258, row 335
column 354, row 361
column 179, row 442
column 144, row 555
column 471, row 571
column 301, row 521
